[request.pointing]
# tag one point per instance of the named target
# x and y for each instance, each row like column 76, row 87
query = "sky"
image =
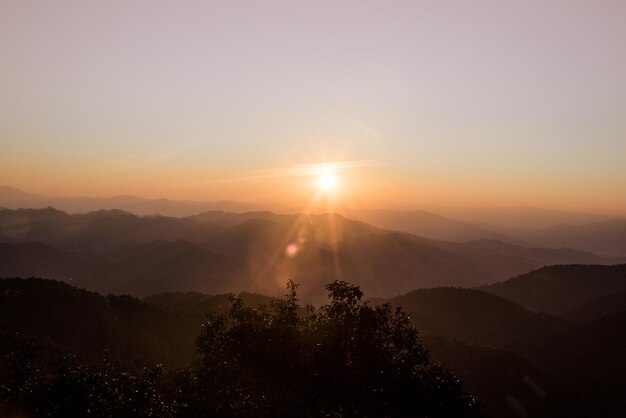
column 456, row 103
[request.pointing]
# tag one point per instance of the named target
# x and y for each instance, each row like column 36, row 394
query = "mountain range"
column 215, row 252
column 600, row 234
column 13, row 198
column 561, row 289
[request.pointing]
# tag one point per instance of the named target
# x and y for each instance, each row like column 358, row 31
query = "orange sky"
column 432, row 102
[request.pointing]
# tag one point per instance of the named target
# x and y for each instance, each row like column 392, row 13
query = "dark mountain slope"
column 507, row 384
column 599, row 307
column 139, row 270
column 516, row 360
column 590, row 358
column 475, row 317
column 64, row 319
column 163, row 266
column 559, row 289
column 554, row 363
column 196, row 305
column 37, row 259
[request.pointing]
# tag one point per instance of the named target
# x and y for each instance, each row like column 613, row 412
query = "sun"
column 327, row 183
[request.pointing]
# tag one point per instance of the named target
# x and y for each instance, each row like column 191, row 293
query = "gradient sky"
column 432, row 102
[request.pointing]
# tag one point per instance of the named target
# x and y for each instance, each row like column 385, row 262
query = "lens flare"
column 292, row 250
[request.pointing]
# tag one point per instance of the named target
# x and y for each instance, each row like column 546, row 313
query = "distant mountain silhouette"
column 507, row 260
column 97, row 231
column 426, row 224
column 606, row 238
column 13, row 198
column 559, row 289
column 364, row 254
column 602, row 235
column 530, row 227
column 230, row 219
column 505, row 219
column 360, row 253
column 218, row 252
column 447, row 223
column 10, row 196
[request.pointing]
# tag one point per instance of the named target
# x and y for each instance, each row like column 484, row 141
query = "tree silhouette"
column 345, row 359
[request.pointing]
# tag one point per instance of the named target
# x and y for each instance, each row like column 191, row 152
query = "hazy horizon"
column 260, row 205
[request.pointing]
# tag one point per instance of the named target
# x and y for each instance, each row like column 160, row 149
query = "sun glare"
column 327, row 183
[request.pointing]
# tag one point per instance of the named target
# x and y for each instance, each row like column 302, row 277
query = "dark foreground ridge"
column 510, row 358
column 346, row 359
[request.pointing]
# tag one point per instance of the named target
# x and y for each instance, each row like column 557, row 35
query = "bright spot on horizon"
column 327, row 183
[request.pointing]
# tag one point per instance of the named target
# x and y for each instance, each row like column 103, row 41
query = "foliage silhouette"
column 70, row 390
column 345, row 359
